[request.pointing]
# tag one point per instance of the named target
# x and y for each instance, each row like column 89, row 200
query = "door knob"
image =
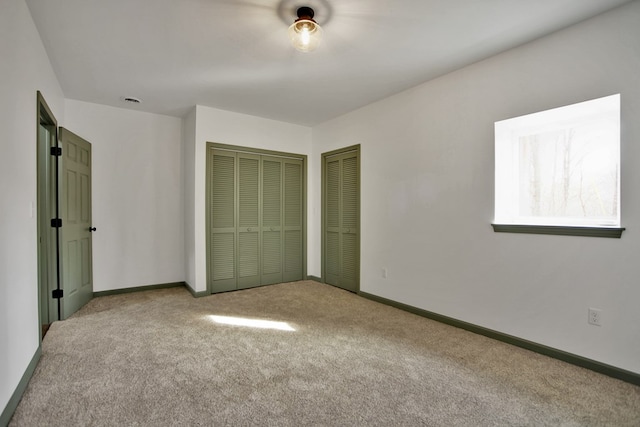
column 92, row 229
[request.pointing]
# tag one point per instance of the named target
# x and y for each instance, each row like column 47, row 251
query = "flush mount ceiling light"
column 305, row 33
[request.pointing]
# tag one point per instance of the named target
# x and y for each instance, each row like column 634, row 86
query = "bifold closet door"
column 282, row 250
column 342, row 218
column 256, row 220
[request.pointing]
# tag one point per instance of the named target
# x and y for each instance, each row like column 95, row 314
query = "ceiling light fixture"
column 305, row 33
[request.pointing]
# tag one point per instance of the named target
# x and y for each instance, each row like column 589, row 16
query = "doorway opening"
column 65, row 267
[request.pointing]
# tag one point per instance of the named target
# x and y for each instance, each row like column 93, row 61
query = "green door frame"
column 46, row 210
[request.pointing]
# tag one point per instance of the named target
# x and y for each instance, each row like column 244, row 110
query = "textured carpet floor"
column 159, row 358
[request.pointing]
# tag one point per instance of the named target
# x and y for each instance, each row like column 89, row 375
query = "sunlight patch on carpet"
column 253, row 323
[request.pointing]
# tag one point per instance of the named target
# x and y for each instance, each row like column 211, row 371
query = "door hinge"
column 56, row 294
column 56, row 222
column 56, row 151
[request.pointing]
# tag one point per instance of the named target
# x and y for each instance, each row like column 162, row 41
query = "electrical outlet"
column 595, row 316
column 384, row 273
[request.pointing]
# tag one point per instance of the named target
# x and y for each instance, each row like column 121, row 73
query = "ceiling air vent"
column 130, row 99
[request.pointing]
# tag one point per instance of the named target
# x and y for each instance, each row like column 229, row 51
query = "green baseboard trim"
column 138, row 289
column 8, row 411
column 612, row 371
column 315, row 278
column 196, row 294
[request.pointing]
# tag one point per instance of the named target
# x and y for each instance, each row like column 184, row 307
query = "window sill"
column 615, row 233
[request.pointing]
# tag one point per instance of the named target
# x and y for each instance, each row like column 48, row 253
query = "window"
column 560, row 167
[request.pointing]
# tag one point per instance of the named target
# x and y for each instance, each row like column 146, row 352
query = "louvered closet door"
column 342, row 221
column 271, row 221
column 222, row 220
column 332, row 224
column 248, row 221
column 282, row 250
column 293, row 221
column 350, row 218
column 255, row 220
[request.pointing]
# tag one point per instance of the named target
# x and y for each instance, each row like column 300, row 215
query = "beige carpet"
column 158, row 358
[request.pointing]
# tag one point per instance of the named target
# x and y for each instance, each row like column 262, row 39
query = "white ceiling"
column 235, row 54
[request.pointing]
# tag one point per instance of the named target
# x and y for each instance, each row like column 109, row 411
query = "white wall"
column 427, row 196
column 226, row 127
column 24, row 69
column 137, row 193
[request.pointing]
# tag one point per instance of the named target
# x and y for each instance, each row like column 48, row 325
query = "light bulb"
column 305, row 37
